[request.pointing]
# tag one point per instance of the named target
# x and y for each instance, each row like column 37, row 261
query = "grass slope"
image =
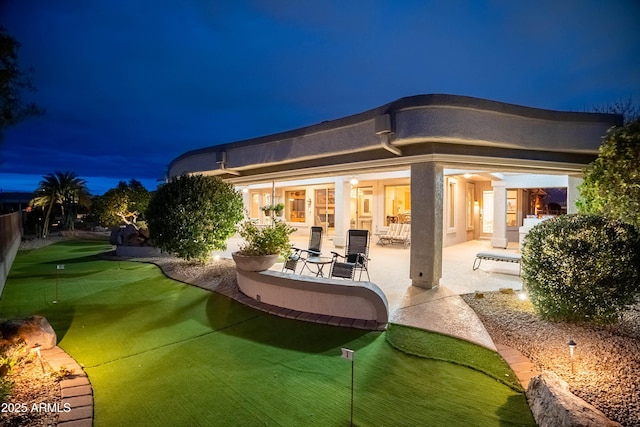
column 159, row 352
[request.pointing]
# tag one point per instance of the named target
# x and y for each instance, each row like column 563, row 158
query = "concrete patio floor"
column 440, row 309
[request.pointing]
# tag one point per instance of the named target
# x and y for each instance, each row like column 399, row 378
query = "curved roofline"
column 410, row 102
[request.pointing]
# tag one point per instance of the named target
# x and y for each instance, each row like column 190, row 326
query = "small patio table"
column 319, row 262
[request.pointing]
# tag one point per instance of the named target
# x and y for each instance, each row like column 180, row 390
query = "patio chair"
column 301, row 255
column 356, row 256
column 404, row 236
column 392, row 233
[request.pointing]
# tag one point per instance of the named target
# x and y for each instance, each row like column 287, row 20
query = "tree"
column 64, row 189
column 124, row 204
column 13, row 81
column 611, row 185
column 194, row 215
column 626, row 108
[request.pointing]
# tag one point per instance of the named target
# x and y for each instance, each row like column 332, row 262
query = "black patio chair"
column 356, row 256
column 301, row 255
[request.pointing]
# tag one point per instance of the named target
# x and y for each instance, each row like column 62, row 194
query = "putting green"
column 159, row 352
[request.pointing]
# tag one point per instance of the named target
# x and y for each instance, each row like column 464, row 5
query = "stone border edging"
column 519, row 363
column 75, row 390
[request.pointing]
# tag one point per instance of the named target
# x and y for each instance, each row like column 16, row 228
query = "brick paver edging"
column 519, row 363
column 75, row 389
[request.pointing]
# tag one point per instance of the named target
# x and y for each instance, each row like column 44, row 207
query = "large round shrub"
column 581, row 268
column 193, row 215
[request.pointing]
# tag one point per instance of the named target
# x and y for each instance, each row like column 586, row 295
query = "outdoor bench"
column 494, row 256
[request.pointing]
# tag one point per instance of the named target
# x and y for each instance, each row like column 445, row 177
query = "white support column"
column 427, row 193
column 246, row 201
column 499, row 238
column 573, row 194
column 342, row 211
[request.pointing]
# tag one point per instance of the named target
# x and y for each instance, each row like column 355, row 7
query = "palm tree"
column 66, row 189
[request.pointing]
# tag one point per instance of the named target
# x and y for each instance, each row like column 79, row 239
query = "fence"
column 10, row 237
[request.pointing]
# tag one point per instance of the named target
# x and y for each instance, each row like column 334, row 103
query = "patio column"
column 246, row 201
column 573, row 193
column 427, row 188
column 342, row 211
column 499, row 238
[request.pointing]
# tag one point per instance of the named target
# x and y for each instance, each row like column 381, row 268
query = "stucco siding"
column 467, row 126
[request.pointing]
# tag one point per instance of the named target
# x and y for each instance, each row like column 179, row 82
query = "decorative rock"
column 506, row 290
column 33, row 330
column 122, row 235
column 553, row 405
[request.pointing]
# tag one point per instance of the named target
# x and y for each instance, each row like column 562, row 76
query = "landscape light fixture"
column 572, row 345
column 36, row 349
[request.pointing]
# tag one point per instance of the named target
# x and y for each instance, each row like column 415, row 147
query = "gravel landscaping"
column 606, row 364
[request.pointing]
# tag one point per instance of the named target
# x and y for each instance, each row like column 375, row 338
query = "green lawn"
column 159, row 352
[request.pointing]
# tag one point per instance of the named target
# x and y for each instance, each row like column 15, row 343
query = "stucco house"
column 456, row 168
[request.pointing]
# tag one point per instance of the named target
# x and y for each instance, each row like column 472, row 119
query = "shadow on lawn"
column 233, row 318
column 78, row 260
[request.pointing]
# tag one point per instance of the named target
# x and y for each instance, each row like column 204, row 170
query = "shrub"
column 266, row 240
column 581, row 268
column 191, row 216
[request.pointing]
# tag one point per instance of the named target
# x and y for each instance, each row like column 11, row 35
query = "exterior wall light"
column 354, row 180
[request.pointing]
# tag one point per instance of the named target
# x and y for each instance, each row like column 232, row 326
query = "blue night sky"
column 130, row 85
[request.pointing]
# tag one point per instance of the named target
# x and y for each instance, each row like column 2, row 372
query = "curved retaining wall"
column 332, row 297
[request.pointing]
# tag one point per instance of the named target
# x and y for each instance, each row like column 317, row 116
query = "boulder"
column 553, row 405
column 33, row 330
column 122, row 235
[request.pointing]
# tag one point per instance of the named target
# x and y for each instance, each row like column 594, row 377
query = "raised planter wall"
column 332, row 297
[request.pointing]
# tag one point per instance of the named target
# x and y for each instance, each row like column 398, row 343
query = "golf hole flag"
column 347, row 354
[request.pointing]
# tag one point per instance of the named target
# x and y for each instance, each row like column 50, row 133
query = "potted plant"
column 266, row 210
column 262, row 245
column 276, row 209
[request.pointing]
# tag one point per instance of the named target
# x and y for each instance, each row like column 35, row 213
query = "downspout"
column 229, row 171
column 384, row 128
column 221, row 159
column 384, row 141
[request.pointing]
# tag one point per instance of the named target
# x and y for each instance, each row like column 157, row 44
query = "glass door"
column 364, row 208
column 487, row 212
column 324, row 215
